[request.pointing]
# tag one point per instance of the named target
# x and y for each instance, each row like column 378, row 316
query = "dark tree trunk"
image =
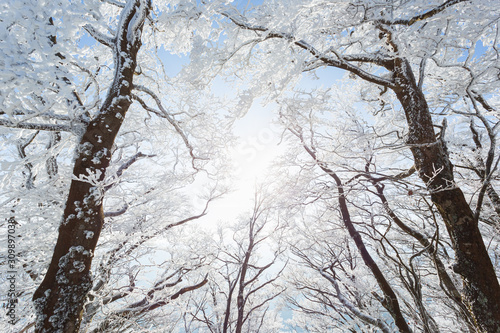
column 60, row 297
column 481, row 292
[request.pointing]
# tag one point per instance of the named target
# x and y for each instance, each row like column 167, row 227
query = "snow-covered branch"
column 363, row 316
column 37, row 127
column 100, row 37
column 164, row 114
column 341, row 62
column 422, row 16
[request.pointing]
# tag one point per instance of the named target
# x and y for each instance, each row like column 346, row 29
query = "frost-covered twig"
column 100, row 37
column 124, row 167
column 422, row 16
column 115, row 3
column 339, row 62
column 364, row 317
column 32, row 126
column 164, row 114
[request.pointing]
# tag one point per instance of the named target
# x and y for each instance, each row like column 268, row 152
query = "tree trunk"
column 481, row 291
column 60, row 297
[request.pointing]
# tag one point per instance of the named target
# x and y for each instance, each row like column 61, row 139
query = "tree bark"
column 481, row 292
column 59, row 298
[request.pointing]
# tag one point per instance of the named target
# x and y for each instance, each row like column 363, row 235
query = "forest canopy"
column 125, row 206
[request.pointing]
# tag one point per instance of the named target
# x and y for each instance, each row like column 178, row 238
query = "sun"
column 252, row 157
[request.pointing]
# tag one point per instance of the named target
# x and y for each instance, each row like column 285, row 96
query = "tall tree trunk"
column 59, row 298
column 481, row 291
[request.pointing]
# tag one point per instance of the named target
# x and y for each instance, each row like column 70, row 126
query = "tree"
column 369, row 240
column 57, row 84
column 385, row 45
column 59, row 298
column 407, row 150
column 245, row 281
